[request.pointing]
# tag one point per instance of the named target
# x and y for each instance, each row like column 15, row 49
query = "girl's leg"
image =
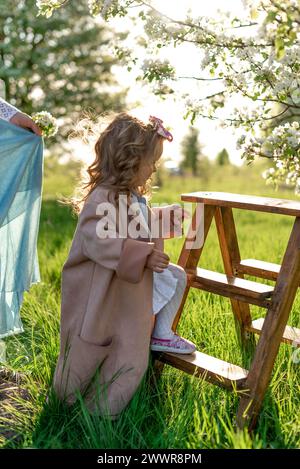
column 165, row 317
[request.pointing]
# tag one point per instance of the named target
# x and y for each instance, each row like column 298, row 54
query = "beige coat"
column 106, row 313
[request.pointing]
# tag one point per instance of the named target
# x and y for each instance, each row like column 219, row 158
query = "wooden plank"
column 248, row 202
column 189, row 257
column 212, row 369
column 272, row 332
column 222, row 283
column 258, row 268
column 291, row 335
column 263, row 303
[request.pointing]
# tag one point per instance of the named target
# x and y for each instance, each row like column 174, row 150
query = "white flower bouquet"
column 46, row 122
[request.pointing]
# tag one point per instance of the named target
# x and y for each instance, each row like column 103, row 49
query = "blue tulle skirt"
column 21, row 172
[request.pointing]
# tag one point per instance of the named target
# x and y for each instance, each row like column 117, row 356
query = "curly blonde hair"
column 121, row 148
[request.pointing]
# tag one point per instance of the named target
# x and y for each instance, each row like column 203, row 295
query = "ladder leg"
column 272, row 331
column 189, row 257
column 231, row 256
column 157, row 369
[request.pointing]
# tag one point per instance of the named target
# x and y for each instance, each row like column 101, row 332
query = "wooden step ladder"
column 278, row 299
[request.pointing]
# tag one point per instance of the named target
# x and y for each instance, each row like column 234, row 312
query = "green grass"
column 181, row 412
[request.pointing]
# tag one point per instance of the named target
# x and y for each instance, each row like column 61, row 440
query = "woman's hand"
column 24, row 121
column 157, row 261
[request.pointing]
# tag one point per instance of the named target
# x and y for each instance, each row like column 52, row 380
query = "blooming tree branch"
column 262, row 67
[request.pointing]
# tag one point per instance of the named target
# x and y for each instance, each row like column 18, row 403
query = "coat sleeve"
column 126, row 256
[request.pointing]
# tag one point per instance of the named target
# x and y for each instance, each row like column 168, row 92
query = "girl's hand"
column 179, row 213
column 157, row 261
column 177, row 216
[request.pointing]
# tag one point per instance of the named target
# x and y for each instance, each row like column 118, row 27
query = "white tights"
column 165, row 317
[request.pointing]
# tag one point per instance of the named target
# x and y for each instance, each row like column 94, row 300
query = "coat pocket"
column 90, row 356
column 104, row 342
column 77, row 366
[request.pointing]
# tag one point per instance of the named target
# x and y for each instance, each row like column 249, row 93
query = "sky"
column 187, row 61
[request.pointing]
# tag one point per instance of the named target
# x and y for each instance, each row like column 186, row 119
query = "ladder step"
column 214, row 370
column 230, row 286
column 258, row 268
column 290, row 335
column 246, row 202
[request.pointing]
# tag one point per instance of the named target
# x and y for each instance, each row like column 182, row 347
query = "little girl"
column 113, row 285
column 168, row 287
